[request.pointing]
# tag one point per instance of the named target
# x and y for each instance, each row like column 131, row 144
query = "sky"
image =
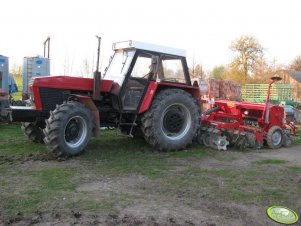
column 204, row 28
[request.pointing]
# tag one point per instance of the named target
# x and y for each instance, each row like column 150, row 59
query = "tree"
column 248, row 51
column 87, row 70
column 197, row 71
column 16, row 70
column 218, row 72
column 296, row 64
column 263, row 71
column 235, row 74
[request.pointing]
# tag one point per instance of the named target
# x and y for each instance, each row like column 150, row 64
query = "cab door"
column 138, row 80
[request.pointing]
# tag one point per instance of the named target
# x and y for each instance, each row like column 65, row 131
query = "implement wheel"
column 275, row 137
column 207, row 139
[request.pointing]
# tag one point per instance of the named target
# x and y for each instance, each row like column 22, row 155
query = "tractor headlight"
column 246, row 112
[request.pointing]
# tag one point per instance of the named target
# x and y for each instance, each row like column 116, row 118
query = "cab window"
column 142, row 67
column 171, row 69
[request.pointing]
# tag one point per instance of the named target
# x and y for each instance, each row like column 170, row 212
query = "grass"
column 294, row 169
column 35, row 189
column 270, row 161
column 13, row 143
column 179, row 176
column 117, row 155
column 248, row 186
column 110, row 155
column 298, row 140
column 192, row 152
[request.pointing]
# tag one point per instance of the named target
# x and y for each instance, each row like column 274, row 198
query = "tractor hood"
column 70, row 83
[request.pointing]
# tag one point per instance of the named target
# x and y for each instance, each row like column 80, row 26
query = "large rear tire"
column 172, row 121
column 68, row 129
column 34, row 131
column 275, row 137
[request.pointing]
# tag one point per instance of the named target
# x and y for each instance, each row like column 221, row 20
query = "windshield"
column 119, row 65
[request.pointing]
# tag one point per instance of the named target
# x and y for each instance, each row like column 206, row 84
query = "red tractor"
column 246, row 124
column 145, row 92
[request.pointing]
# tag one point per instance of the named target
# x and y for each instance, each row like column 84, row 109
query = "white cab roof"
column 131, row 44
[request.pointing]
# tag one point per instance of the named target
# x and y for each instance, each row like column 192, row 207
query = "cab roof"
column 131, row 44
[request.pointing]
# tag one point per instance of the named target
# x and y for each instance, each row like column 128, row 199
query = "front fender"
column 88, row 102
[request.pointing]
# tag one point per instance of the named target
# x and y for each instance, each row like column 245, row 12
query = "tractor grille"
column 51, row 97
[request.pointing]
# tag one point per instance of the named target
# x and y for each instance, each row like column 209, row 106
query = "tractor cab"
column 135, row 66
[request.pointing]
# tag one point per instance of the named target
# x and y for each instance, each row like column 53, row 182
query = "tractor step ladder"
column 132, row 124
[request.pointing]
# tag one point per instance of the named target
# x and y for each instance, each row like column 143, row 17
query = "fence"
column 258, row 92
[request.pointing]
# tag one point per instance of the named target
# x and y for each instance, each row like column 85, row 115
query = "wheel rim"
column 175, row 121
column 276, row 138
column 75, row 131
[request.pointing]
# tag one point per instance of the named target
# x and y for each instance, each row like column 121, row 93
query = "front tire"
column 275, row 137
column 172, row 121
column 34, row 131
column 68, row 129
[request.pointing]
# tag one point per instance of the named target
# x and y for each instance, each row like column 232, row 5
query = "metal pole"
column 267, row 100
column 266, row 109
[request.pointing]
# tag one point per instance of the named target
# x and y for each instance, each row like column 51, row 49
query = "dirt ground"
column 147, row 203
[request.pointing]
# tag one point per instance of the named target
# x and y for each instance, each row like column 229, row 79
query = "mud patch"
column 119, row 184
column 291, row 154
column 22, row 159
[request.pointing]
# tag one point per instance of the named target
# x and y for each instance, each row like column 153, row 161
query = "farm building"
column 294, row 79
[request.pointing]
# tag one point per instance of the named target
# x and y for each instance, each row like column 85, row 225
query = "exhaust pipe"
column 47, row 42
column 97, row 75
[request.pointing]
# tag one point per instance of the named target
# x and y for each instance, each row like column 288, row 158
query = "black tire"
column 242, row 143
column 275, row 137
column 199, row 138
column 287, row 141
column 34, row 131
column 172, row 121
column 207, row 140
column 68, row 129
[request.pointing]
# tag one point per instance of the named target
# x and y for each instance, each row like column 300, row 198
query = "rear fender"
column 155, row 87
column 88, row 102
